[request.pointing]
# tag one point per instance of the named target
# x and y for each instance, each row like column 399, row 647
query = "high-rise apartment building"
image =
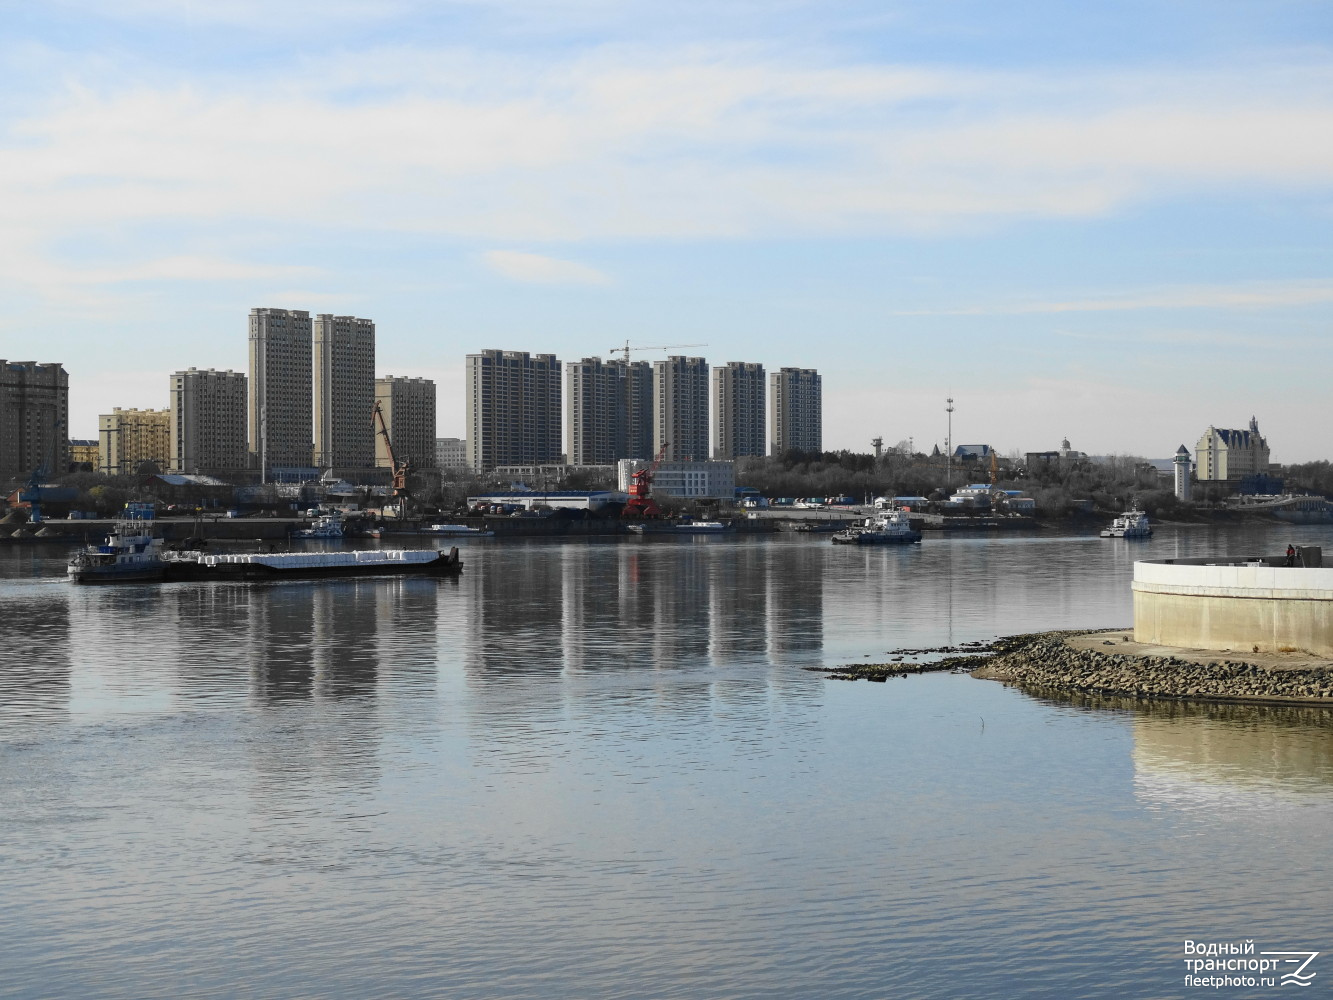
column 513, row 409
column 208, row 422
column 344, row 392
column 739, row 412
column 279, row 407
column 127, row 438
column 797, row 410
column 608, row 411
column 34, row 418
column 408, row 406
column 680, row 408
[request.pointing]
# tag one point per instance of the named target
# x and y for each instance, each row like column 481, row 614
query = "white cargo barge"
column 266, row 565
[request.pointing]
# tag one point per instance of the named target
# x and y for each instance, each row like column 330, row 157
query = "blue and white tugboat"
column 130, row 552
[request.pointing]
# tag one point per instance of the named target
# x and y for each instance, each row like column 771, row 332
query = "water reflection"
column 1187, row 753
column 1217, row 751
column 35, row 672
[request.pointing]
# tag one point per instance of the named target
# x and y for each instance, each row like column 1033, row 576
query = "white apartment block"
column 608, row 411
column 450, row 453
column 126, row 438
column 207, row 433
column 739, row 411
column 279, row 410
column 796, row 410
column 680, row 408
column 34, row 418
column 408, row 406
column 344, row 392
column 512, row 409
column 696, row 480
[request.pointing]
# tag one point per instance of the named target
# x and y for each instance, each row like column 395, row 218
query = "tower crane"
column 660, row 347
column 399, row 469
column 641, row 503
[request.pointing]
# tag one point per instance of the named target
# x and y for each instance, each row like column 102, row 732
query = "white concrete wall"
column 1234, row 607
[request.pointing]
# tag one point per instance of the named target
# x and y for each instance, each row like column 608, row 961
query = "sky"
column 1104, row 222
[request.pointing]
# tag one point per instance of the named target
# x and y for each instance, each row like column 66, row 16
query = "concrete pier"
column 1245, row 605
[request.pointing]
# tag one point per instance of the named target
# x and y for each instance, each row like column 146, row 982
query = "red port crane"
column 641, row 503
column 399, row 469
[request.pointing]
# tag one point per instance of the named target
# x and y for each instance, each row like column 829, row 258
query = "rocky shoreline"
column 1106, row 663
column 1047, row 661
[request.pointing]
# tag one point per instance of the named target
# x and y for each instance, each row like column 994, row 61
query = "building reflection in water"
column 542, row 611
column 1227, row 754
column 35, row 682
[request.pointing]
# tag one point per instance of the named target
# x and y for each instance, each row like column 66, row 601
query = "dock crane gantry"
column 399, row 469
column 641, row 502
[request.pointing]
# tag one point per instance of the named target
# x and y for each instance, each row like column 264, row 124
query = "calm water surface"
column 598, row 769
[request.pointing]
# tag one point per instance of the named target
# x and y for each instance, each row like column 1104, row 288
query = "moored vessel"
column 1132, row 523
column 457, row 531
column 891, row 527
column 325, row 526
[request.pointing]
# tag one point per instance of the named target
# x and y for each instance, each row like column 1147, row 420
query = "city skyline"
column 1104, row 224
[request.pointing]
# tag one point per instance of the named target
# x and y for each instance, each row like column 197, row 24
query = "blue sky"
column 1102, row 221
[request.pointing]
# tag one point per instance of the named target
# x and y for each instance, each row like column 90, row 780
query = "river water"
column 597, row 769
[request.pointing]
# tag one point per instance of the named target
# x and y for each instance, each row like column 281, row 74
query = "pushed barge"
column 277, row 565
column 131, row 554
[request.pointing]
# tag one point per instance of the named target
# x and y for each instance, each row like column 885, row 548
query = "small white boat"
column 325, row 526
column 458, row 530
column 1131, row 524
column 701, row 527
column 890, row 527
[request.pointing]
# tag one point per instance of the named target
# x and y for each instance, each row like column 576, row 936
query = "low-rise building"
column 693, row 480
column 554, row 499
column 83, row 455
column 451, row 453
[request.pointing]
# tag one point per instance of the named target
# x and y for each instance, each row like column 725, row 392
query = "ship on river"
column 131, row 554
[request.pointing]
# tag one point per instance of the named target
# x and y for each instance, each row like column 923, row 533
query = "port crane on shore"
column 31, row 493
column 641, row 502
column 399, row 470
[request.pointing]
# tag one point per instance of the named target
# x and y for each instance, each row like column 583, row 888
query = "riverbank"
column 1111, row 663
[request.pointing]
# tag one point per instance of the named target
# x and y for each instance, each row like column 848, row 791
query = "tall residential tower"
column 797, row 411
column 738, row 410
column 408, row 406
column 513, row 409
column 608, row 411
column 344, row 392
column 279, row 410
column 680, row 408
column 34, row 418
column 208, row 422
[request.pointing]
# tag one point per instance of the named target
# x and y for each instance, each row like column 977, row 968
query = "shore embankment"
column 1112, row 663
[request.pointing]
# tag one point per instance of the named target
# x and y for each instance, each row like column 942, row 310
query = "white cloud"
column 620, row 144
column 539, row 270
column 1239, row 295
